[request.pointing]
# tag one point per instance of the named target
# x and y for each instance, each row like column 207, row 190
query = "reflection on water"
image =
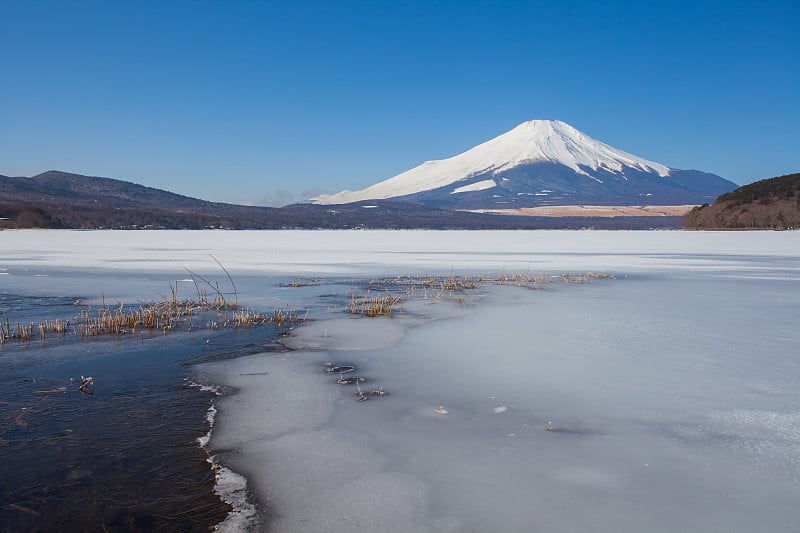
column 123, row 458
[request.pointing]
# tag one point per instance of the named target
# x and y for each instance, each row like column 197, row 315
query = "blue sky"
column 266, row 102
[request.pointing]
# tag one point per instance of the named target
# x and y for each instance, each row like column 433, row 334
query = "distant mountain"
column 62, row 199
column 57, row 199
column 767, row 204
column 541, row 163
column 53, row 184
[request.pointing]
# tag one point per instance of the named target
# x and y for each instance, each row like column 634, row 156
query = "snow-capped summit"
column 539, row 162
column 557, row 142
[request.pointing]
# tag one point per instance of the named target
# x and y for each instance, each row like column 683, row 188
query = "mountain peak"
column 551, row 143
column 554, row 141
column 542, row 123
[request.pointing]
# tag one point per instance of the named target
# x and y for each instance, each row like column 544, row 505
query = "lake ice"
column 673, row 391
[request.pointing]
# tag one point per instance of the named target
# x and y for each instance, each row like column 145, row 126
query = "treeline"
column 22, row 215
column 780, row 188
column 379, row 215
column 772, row 203
column 48, row 216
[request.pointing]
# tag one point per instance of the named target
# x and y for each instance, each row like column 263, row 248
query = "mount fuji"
column 541, row 163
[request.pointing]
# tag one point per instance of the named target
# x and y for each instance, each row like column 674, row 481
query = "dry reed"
column 164, row 316
column 398, row 289
column 372, row 306
column 173, row 312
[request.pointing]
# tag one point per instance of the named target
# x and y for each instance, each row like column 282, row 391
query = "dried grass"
column 373, row 306
column 164, row 316
column 395, row 291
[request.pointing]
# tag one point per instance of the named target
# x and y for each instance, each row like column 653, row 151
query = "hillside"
column 767, row 204
column 62, row 200
column 57, row 199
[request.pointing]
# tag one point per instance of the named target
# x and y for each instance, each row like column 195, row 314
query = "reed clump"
column 247, row 318
column 164, row 316
column 396, row 290
column 301, row 282
column 453, row 283
column 521, row 279
column 530, row 279
column 583, row 278
column 18, row 333
column 424, row 287
column 373, row 306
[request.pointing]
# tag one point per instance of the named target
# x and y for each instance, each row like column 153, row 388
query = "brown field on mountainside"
column 595, row 211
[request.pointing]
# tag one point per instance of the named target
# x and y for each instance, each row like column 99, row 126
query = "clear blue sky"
column 262, row 102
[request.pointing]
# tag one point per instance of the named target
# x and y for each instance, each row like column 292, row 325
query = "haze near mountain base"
column 541, row 163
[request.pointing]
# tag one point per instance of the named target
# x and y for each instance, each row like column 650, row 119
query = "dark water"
column 125, row 458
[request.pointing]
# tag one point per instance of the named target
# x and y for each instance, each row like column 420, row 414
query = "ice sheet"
column 672, row 391
column 368, row 253
column 673, row 407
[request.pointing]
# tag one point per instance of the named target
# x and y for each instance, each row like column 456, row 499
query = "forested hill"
column 780, row 188
column 772, row 203
column 57, row 199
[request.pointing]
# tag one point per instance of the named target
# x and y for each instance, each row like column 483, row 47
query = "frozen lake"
column 672, row 391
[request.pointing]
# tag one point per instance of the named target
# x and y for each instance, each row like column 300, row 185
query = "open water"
column 124, row 458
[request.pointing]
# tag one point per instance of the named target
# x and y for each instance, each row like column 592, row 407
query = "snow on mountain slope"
column 550, row 141
column 478, row 186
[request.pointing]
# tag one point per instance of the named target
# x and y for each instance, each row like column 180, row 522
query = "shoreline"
column 69, row 446
column 230, row 487
column 121, row 417
column 313, row 345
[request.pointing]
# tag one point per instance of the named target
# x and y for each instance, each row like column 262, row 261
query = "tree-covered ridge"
column 780, row 188
column 772, row 203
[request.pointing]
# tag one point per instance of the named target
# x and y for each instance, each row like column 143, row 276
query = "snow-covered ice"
column 673, row 391
column 365, row 253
